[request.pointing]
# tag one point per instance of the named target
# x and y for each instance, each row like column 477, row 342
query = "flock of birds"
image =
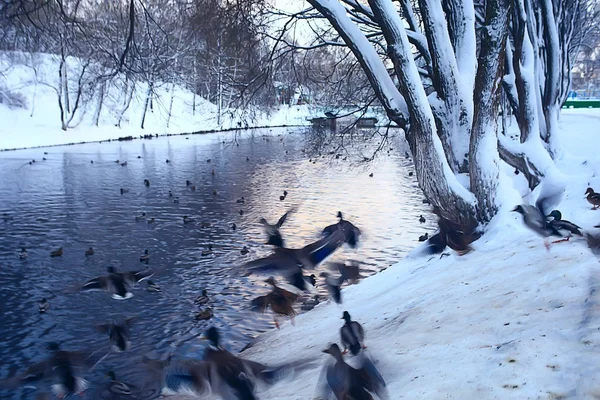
column 220, row 372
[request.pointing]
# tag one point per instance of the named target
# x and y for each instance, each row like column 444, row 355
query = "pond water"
column 67, row 201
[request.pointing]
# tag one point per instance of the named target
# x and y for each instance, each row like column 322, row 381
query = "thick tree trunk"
column 483, row 155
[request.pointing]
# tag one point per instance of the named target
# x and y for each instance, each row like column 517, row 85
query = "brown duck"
column 280, row 300
column 593, row 198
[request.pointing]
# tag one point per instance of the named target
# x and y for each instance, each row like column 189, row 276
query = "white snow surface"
column 38, row 123
column 509, row 320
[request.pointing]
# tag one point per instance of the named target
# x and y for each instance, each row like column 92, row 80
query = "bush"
column 12, row 99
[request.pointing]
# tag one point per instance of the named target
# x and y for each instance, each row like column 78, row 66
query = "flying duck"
column 236, row 377
column 349, row 272
column 275, row 238
column 593, row 198
column 117, row 284
column 118, row 334
column 62, row 368
column 347, row 382
column 280, row 301
column 333, row 285
column 351, row 232
column 352, row 335
column 450, row 234
column 534, row 219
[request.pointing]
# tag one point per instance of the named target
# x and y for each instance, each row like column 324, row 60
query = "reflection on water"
column 67, row 201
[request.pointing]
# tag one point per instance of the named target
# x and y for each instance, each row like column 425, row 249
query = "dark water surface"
column 68, row 202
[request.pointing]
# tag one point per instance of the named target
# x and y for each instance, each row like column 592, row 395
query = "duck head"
column 334, row 351
column 346, row 317
column 111, row 374
column 53, row 346
column 339, row 215
column 556, row 215
column 111, row 270
column 519, row 209
column 589, row 191
column 204, row 293
column 213, row 336
column 263, row 221
column 270, row 280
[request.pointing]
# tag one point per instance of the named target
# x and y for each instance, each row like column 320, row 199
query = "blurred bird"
column 333, row 285
column 349, row 272
column 351, row 232
column 456, row 236
column 566, row 228
column 421, row 219
column 152, row 286
column 534, row 219
column 43, row 305
column 62, row 367
column 241, row 200
column 280, row 301
column 117, row 284
column 140, row 217
column 272, row 231
column 352, row 335
column 145, row 256
column 235, row 377
column 202, row 298
column 146, row 182
column 310, row 303
column 204, row 315
column 347, row 382
column 118, row 334
column 424, row 237
column 244, row 251
column 57, row 253
column 123, row 191
column 187, row 220
column 23, row 254
column 89, row 252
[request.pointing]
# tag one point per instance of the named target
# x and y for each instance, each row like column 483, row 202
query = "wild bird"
column 534, row 219
column 57, row 253
column 241, row 212
column 43, row 305
column 233, row 226
column 118, row 333
column 23, row 253
column 351, row 232
column 236, row 377
column 89, row 252
column 146, row 183
column 352, row 335
column 280, row 300
column 117, row 284
column 310, row 303
column 202, row 299
column 241, row 200
column 140, row 217
column 188, row 220
column 566, row 228
column 176, row 200
column 205, row 314
column 123, row 191
column 62, row 368
column 272, row 230
column 349, row 272
column 153, row 286
column 124, row 164
column 450, row 234
column 244, row 250
column 593, row 198
column 291, row 262
column 421, row 219
column 151, row 221
column 333, row 285
column 188, row 183
column 145, row 256
column 208, row 251
column 424, row 237
column 170, row 193
column 118, row 389
column 347, row 382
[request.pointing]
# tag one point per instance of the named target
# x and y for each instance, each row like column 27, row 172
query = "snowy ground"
column 32, row 80
column 507, row 321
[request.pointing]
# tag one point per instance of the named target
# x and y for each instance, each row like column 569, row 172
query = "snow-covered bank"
column 30, row 113
column 508, row 321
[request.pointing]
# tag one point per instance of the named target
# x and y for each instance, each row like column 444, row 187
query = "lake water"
column 67, row 201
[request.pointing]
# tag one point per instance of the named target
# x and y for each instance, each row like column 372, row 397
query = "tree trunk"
column 100, row 102
column 126, row 104
column 146, row 103
column 171, row 104
column 63, row 118
column 483, row 155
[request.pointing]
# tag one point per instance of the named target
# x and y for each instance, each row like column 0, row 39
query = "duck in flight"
column 117, row 284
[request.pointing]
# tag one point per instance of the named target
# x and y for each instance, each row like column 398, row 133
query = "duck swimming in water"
column 145, row 256
column 23, row 254
column 57, row 253
column 89, row 252
column 205, row 314
column 202, row 299
column 140, row 217
column 43, row 305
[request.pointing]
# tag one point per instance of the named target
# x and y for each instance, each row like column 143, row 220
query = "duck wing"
column 281, row 260
column 261, row 303
column 99, row 283
column 349, row 339
column 372, row 379
column 351, row 233
column 235, row 381
column 313, row 254
column 593, row 242
column 284, row 217
column 190, row 375
column 565, row 225
column 133, row 277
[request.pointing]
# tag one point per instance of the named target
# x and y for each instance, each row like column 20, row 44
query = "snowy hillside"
column 30, row 113
column 508, row 321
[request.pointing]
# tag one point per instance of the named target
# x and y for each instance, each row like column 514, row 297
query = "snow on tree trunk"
column 100, row 102
column 171, row 104
column 483, row 155
column 146, row 103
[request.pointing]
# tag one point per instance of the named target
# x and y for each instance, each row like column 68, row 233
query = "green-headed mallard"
column 89, row 252
column 564, row 227
column 43, row 305
column 202, row 299
column 205, row 314
column 534, row 219
column 145, row 256
column 152, row 286
column 352, row 335
column 280, row 301
column 57, row 253
column 118, row 333
column 117, row 284
column 272, row 230
column 347, row 382
column 593, row 198
column 23, row 253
